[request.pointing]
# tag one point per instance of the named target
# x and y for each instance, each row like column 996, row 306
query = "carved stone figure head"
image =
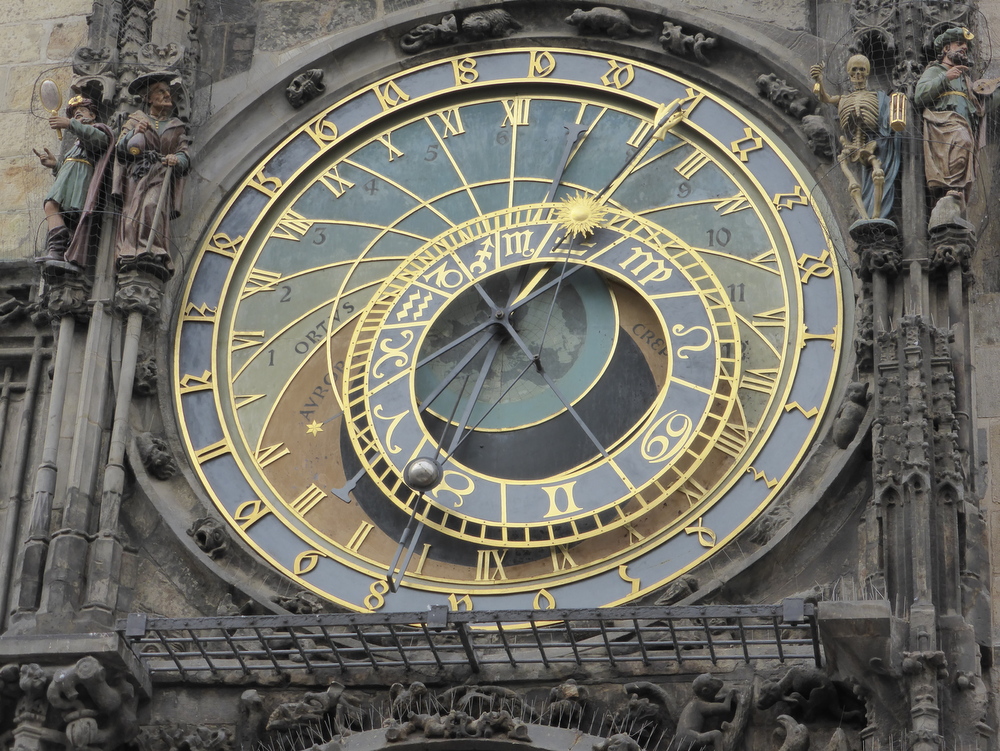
column 954, row 44
column 858, row 70
column 706, row 686
column 154, row 89
column 82, row 109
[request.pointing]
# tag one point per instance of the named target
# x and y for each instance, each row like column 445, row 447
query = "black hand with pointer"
column 424, row 473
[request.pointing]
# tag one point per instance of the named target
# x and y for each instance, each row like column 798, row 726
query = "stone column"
column 67, row 300
column 138, row 297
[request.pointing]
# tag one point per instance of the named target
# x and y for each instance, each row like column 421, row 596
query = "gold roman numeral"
column 359, row 536
column 694, row 162
column 214, row 451
column 732, row 440
column 270, row 454
column 247, row 339
column 761, row 380
column 561, row 558
column 517, row 111
column 307, row 501
column 452, row 122
column 332, row 180
column 291, row 226
column 489, row 565
column 639, row 134
column 259, row 280
column 739, row 202
column 386, row 140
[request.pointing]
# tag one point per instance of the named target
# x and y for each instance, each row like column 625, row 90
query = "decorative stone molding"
column 138, row 291
column 68, row 296
column 952, row 247
column 79, row 707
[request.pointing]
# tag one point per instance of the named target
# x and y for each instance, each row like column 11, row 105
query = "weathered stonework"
column 92, row 529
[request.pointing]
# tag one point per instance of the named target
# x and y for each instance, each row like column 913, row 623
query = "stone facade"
column 878, row 551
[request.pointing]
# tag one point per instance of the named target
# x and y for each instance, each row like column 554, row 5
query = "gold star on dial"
column 314, row 428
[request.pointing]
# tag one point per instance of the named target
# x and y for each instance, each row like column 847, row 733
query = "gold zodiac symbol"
column 399, row 357
column 679, row 330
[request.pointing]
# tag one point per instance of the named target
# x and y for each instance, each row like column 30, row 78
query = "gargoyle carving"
column 695, row 725
column 809, row 693
column 313, row 707
column 155, row 456
column 489, row 24
column 610, row 22
column 676, row 42
column 851, row 414
column 210, row 536
column 567, row 702
column 98, row 713
column 305, row 87
column 429, row 35
column 410, row 700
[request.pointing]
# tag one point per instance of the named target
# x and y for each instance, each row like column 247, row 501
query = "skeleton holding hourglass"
column 867, row 140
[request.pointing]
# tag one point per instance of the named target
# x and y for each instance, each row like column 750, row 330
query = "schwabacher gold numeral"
column 619, row 76
column 390, row 95
column 542, row 64
column 306, row 561
column 250, row 512
column 465, row 71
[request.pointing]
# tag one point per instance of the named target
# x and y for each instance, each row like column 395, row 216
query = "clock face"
column 596, row 301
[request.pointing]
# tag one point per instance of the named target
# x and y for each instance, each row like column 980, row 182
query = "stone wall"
column 38, row 40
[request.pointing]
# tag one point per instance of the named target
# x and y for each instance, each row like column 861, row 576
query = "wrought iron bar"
column 621, row 638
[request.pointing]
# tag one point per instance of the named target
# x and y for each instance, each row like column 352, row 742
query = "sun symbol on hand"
column 580, row 214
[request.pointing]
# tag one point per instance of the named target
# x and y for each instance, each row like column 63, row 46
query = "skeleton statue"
column 867, row 139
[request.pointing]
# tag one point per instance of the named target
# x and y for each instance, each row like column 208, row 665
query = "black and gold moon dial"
column 599, row 299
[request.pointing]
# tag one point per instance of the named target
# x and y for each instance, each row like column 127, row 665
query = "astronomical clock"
column 516, row 329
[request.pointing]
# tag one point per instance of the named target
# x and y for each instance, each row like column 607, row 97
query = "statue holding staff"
column 867, row 140
column 70, row 204
column 152, row 159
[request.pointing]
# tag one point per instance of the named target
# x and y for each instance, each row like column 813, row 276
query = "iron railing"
column 624, row 637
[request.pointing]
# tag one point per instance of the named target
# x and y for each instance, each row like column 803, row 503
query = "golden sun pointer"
column 580, row 215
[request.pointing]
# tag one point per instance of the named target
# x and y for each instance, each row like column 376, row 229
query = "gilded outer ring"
column 800, row 338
